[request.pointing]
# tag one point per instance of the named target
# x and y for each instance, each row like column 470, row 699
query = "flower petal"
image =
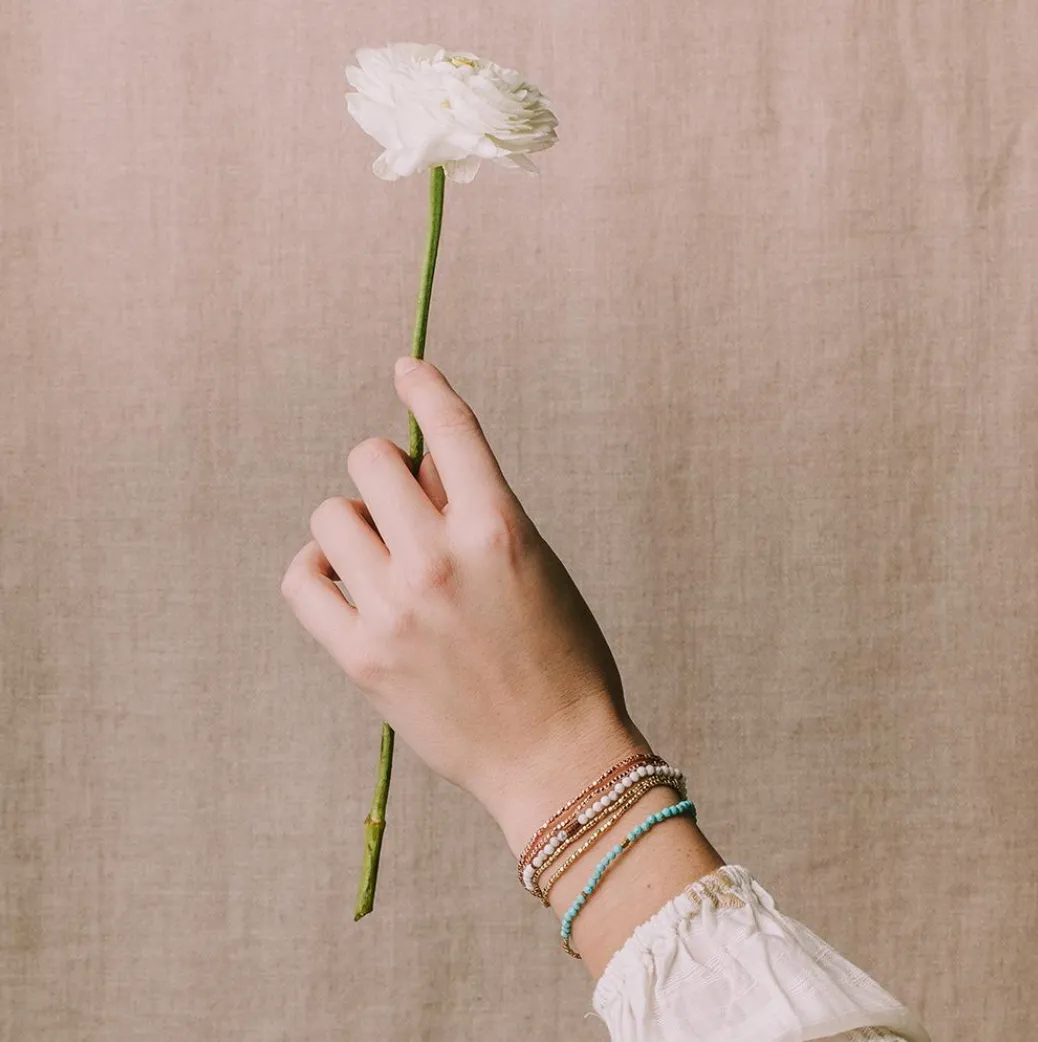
column 462, row 170
column 428, row 107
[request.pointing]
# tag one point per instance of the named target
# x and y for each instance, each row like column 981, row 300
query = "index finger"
column 466, row 463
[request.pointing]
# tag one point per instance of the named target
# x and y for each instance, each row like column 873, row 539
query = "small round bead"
column 538, row 861
column 561, row 837
column 582, row 818
column 596, row 806
column 642, row 772
column 650, row 769
column 618, row 788
column 627, row 783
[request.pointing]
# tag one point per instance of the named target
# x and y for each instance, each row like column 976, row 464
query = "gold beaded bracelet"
column 626, row 765
column 633, row 795
column 593, row 812
column 622, row 804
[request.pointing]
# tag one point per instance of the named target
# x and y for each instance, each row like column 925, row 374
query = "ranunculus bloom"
column 427, row 107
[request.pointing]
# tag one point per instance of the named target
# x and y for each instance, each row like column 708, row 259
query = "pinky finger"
column 309, row 587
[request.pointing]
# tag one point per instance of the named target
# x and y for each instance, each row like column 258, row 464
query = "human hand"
column 466, row 632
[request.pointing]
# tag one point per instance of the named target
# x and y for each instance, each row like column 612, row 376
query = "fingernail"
column 406, row 364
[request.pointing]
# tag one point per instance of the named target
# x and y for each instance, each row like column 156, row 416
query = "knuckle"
column 499, row 531
column 457, row 418
column 291, row 583
column 364, row 667
column 401, row 623
column 327, row 508
column 369, row 451
column 432, row 573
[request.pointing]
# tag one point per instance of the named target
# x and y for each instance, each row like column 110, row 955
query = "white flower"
column 427, row 107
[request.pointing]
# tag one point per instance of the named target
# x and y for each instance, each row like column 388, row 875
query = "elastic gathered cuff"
column 720, row 963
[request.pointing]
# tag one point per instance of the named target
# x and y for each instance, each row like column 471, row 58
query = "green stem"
column 375, row 823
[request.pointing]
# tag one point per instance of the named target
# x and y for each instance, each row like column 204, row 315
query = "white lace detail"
column 720, row 963
column 868, row 1035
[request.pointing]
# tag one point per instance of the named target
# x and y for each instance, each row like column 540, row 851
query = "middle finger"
column 402, row 511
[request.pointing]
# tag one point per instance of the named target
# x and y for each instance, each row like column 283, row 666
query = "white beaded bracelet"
column 595, row 809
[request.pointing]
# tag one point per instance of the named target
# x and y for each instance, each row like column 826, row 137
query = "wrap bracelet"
column 589, row 807
column 554, row 831
column 636, row 793
column 632, row 837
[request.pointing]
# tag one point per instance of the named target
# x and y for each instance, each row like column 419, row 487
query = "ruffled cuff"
column 720, row 963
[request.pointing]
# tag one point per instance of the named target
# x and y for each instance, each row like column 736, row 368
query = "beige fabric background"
column 758, row 350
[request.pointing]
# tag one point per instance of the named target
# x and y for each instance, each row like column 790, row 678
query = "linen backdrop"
column 757, row 350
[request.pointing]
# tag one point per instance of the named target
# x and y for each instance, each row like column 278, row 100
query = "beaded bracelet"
column 632, row 837
column 594, row 813
column 613, row 797
column 633, row 761
column 600, row 826
column 636, row 794
column 586, row 809
column 596, row 827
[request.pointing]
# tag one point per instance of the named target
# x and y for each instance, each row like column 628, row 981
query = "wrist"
column 560, row 767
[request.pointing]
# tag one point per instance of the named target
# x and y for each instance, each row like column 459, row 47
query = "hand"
column 465, row 632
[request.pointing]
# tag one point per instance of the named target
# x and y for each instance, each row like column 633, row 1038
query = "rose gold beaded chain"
column 600, row 828
column 624, row 801
column 551, row 824
column 587, row 809
column 635, row 792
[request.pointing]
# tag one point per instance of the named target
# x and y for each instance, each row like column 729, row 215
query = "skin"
column 467, row 635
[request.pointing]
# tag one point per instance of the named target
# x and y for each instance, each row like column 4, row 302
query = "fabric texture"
column 757, row 350
column 721, row 963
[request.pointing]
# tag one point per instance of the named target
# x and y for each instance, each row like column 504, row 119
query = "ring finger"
column 347, row 536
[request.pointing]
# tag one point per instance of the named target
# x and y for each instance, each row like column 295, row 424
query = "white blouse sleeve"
column 720, row 963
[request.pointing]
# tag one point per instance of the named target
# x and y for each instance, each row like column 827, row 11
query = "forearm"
column 673, row 934
column 659, row 866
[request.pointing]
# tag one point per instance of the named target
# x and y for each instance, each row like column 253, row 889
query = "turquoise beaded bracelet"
column 674, row 811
